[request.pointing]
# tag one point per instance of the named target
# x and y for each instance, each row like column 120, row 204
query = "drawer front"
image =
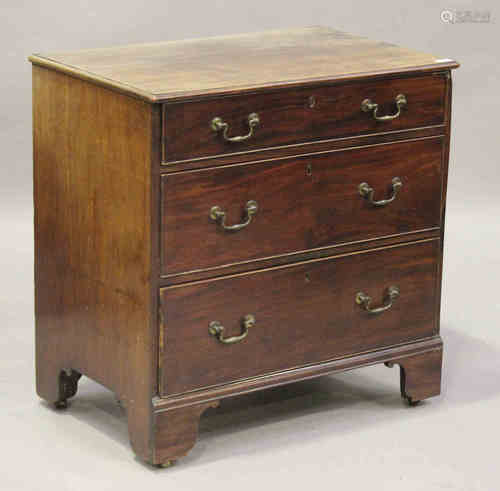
column 305, row 313
column 299, row 115
column 303, row 203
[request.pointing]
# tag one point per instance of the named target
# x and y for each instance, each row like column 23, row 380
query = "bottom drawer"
column 300, row 314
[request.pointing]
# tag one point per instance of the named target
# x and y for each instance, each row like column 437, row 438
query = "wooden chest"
column 219, row 216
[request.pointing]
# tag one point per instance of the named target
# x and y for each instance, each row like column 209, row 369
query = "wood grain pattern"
column 298, row 212
column 177, row 417
column 286, row 116
column 305, row 148
column 306, row 372
column 446, row 160
column 304, row 313
column 335, row 250
column 92, row 185
column 177, row 431
column 130, row 270
column 194, row 67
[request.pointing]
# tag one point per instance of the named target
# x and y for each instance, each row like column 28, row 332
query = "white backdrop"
column 350, row 431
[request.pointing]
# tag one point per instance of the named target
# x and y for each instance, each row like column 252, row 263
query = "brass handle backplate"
column 215, row 328
column 368, row 106
column 218, row 124
column 218, row 215
column 365, row 300
column 367, row 192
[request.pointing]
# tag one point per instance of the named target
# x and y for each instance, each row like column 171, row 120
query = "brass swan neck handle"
column 369, row 106
column 367, row 192
column 219, row 215
column 365, row 300
column 218, row 124
column 215, row 328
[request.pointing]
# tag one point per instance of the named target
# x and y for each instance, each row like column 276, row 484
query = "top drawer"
column 293, row 116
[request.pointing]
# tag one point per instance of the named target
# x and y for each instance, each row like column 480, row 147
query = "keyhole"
column 309, row 170
column 312, row 101
column 308, row 278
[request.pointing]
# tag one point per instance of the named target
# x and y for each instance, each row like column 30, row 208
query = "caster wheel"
column 167, row 463
column 411, row 402
column 61, row 404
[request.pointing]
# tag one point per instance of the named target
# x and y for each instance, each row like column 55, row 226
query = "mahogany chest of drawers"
column 223, row 215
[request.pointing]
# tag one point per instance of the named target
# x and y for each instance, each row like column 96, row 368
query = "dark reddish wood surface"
column 275, row 379
column 298, row 149
column 100, row 199
column 240, row 63
column 177, row 431
column 298, row 212
column 446, row 159
column 304, row 313
column 177, row 418
column 93, row 243
column 298, row 257
column 286, row 116
column 420, row 375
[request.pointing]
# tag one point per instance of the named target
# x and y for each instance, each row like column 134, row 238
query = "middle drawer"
column 298, row 204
